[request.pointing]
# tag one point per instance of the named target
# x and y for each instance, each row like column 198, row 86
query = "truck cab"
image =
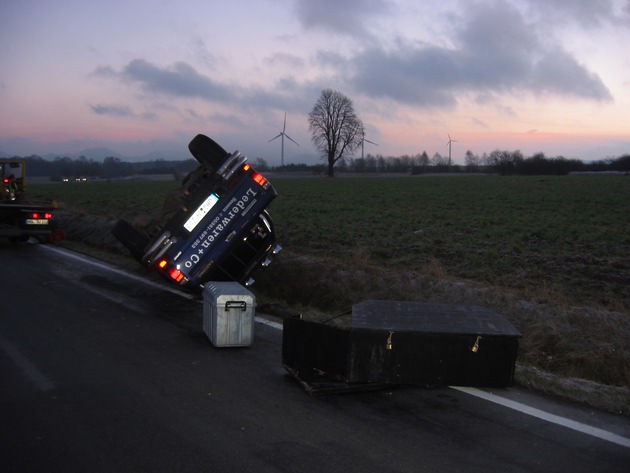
column 215, row 227
column 12, row 178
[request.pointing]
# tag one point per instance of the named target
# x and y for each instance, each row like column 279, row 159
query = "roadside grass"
column 549, row 253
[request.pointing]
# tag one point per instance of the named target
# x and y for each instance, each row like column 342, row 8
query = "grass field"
column 568, row 236
column 551, row 253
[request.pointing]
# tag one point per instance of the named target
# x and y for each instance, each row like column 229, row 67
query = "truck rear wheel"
column 209, row 154
column 134, row 240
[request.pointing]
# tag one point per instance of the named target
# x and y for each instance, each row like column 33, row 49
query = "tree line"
column 111, row 167
column 503, row 162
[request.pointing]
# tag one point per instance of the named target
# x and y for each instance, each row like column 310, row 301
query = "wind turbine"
column 363, row 141
column 450, row 141
column 281, row 135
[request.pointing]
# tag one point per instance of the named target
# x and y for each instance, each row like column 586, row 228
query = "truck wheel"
column 131, row 238
column 209, row 154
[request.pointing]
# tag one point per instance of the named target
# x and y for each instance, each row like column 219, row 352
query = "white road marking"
column 31, row 371
column 99, row 264
column 532, row 411
column 269, row 323
column 517, row 406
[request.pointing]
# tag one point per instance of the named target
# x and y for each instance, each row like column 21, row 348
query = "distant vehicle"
column 216, row 227
column 21, row 218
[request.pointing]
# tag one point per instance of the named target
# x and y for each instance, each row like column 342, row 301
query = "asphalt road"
column 101, row 372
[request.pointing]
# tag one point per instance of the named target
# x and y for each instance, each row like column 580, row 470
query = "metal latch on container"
column 475, row 347
column 235, row 305
column 389, row 345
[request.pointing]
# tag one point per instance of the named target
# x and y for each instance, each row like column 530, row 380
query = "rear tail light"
column 259, row 178
column 43, row 215
column 175, row 274
column 256, row 176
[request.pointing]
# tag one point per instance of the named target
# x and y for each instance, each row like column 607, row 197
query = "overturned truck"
column 215, row 227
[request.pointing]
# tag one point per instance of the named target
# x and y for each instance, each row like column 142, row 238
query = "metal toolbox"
column 228, row 314
column 388, row 342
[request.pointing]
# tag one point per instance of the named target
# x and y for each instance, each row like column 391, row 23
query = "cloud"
column 180, row 80
column 120, row 111
column 348, row 17
column 495, row 51
column 284, row 59
column 407, row 75
column 586, row 13
column 559, row 73
column 116, row 110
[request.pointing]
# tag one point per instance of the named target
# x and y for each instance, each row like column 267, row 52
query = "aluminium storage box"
column 228, row 314
column 389, row 343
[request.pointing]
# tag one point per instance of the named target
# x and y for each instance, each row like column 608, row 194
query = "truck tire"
column 131, row 238
column 209, row 154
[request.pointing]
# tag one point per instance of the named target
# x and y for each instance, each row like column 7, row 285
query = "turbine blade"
column 371, row 142
column 277, row 136
column 285, row 122
column 291, row 139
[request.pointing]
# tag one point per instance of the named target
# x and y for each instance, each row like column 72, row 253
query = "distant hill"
column 100, row 153
column 94, row 154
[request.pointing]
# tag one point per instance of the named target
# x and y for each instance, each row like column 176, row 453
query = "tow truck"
column 21, row 218
column 215, row 227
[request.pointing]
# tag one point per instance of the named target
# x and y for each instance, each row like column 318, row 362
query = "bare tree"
column 505, row 161
column 423, row 160
column 335, row 128
column 439, row 160
column 472, row 161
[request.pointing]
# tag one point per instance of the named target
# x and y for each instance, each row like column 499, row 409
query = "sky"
column 139, row 76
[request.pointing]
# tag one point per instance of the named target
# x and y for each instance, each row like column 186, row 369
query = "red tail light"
column 175, row 274
column 45, row 215
column 259, row 178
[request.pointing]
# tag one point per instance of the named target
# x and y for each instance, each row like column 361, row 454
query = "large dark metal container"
column 388, row 342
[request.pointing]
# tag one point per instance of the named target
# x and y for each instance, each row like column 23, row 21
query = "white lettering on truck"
column 215, row 228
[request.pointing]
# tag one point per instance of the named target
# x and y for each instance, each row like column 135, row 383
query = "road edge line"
column 540, row 414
